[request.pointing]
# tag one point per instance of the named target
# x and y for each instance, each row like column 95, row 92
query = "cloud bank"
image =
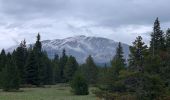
column 120, row 20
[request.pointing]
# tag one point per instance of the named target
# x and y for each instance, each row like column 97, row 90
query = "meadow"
column 55, row 92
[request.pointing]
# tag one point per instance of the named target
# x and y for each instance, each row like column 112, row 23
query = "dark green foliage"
column 31, row 70
column 145, row 86
column 79, row 85
column 157, row 42
column 56, row 69
column 38, row 46
column 20, row 56
column 48, row 74
column 151, row 88
column 137, row 53
column 168, row 40
column 70, row 68
column 3, row 59
column 114, row 84
column 39, row 68
column 35, row 68
column 118, row 62
column 10, row 76
column 153, row 64
column 103, row 74
column 62, row 63
column 119, row 54
column 147, row 76
column 37, row 50
column 90, row 70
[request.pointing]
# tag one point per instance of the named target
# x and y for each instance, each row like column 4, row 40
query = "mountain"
column 101, row 49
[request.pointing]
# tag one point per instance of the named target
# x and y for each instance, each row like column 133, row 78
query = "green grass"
column 57, row 92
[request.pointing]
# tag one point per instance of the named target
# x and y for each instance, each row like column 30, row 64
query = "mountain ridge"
column 101, row 49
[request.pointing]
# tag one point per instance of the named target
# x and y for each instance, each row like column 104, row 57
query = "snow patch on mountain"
column 101, row 49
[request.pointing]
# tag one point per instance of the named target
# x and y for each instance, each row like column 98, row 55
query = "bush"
column 105, row 95
column 152, row 89
column 79, row 85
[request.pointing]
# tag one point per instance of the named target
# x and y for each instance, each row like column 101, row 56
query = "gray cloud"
column 32, row 8
column 121, row 20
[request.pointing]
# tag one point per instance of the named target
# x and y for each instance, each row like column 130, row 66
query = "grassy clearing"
column 57, row 92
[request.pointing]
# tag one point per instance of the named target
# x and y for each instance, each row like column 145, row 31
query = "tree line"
column 146, row 74
column 31, row 67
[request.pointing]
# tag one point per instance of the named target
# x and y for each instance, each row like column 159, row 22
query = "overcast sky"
column 120, row 20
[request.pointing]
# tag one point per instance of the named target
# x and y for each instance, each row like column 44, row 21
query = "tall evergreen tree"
column 56, row 68
column 90, row 70
column 70, row 68
column 118, row 62
column 62, row 63
column 47, row 77
column 168, row 40
column 38, row 46
column 20, row 56
column 31, row 70
column 157, row 42
column 164, row 67
column 37, row 49
column 137, row 53
column 10, row 76
column 112, row 83
column 3, row 59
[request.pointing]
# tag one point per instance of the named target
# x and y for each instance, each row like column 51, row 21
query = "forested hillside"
column 145, row 76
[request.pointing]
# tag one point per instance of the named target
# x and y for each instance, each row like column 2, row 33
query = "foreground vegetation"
column 55, row 92
column 144, row 76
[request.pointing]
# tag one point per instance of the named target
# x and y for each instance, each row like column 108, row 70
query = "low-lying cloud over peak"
column 121, row 20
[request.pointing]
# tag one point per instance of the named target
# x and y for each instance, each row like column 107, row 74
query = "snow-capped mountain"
column 101, row 49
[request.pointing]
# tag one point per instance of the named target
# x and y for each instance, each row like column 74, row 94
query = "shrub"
column 79, row 85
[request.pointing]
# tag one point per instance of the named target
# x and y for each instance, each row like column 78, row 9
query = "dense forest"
column 145, row 76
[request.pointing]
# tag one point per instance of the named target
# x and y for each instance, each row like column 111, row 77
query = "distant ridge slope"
column 101, row 49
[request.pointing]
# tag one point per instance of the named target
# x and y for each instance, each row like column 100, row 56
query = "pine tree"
column 157, row 42
column 47, row 77
column 37, row 49
column 168, row 40
column 103, row 74
column 62, row 63
column 111, row 81
column 3, row 59
column 10, row 76
column 56, row 68
column 49, row 73
column 38, row 69
column 38, row 46
column 118, row 62
column 137, row 53
column 70, row 68
column 90, row 70
column 164, row 67
column 20, row 56
column 31, row 70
